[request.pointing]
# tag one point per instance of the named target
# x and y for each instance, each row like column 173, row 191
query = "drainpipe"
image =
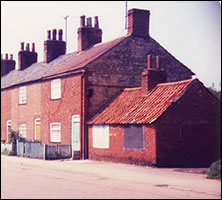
column 82, row 115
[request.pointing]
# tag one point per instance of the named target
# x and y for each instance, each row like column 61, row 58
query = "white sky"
column 189, row 30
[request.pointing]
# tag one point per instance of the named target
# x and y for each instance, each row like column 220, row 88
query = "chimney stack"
column 88, row 35
column 26, row 57
column 138, row 22
column 6, row 64
column 152, row 76
column 54, row 48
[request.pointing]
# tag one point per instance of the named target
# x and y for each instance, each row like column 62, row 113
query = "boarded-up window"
column 134, row 137
column 100, row 136
column 56, row 89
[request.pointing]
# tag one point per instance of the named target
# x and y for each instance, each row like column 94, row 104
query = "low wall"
column 35, row 149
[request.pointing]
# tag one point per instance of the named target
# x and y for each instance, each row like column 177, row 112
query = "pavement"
column 135, row 181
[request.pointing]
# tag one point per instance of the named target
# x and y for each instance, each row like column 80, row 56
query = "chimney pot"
column 60, row 34
column 22, row 46
column 96, row 22
column 157, row 62
column 49, row 35
column 89, row 22
column 11, row 56
column 149, row 62
column 6, row 56
column 54, row 34
column 27, row 47
column 33, row 47
column 82, row 21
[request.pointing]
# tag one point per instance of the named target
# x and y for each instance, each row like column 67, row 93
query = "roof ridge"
column 177, row 82
column 135, row 88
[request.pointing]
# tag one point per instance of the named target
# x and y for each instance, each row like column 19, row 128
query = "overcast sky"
column 189, row 30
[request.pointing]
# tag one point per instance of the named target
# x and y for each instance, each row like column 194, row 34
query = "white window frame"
column 56, row 89
column 53, row 130
column 100, row 136
column 22, row 95
column 8, row 123
column 23, row 130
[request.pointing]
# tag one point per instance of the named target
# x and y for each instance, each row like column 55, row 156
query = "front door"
column 37, row 129
column 76, row 137
column 9, row 126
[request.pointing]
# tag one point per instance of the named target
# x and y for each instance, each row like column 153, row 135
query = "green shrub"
column 14, row 135
column 8, row 152
column 214, row 171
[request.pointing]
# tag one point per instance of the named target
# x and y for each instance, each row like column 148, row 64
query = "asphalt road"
column 24, row 178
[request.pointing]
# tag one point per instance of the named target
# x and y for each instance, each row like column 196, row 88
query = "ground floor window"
column 134, row 137
column 23, row 130
column 9, row 126
column 100, row 136
column 55, row 132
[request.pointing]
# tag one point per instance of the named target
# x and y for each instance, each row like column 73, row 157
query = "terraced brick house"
column 53, row 100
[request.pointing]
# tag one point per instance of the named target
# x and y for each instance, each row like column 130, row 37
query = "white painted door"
column 76, row 133
column 9, row 126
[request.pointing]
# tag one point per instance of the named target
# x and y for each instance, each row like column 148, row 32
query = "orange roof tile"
column 131, row 107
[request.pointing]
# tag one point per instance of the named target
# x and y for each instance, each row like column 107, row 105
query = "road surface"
column 25, row 178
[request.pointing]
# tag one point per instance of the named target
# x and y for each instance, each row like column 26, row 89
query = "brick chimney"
column 54, row 48
column 6, row 64
column 26, row 57
column 88, row 35
column 138, row 22
column 152, row 76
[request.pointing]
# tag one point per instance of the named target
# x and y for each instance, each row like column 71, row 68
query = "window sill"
column 22, row 103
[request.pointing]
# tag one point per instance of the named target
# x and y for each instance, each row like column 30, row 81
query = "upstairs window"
column 134, row 137
column 22, row 95
column 56, row 89
column 23, row 130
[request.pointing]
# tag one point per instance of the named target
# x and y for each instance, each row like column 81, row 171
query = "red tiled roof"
column 131, row 107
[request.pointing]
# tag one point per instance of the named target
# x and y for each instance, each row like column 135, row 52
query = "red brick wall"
column 5, row 112
column 116, row 151
column 26, row 113
column 198, row 112
column 20, row 113
column 122, row 66
column 60, row 110
column 40, row 105
column 195, row 146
